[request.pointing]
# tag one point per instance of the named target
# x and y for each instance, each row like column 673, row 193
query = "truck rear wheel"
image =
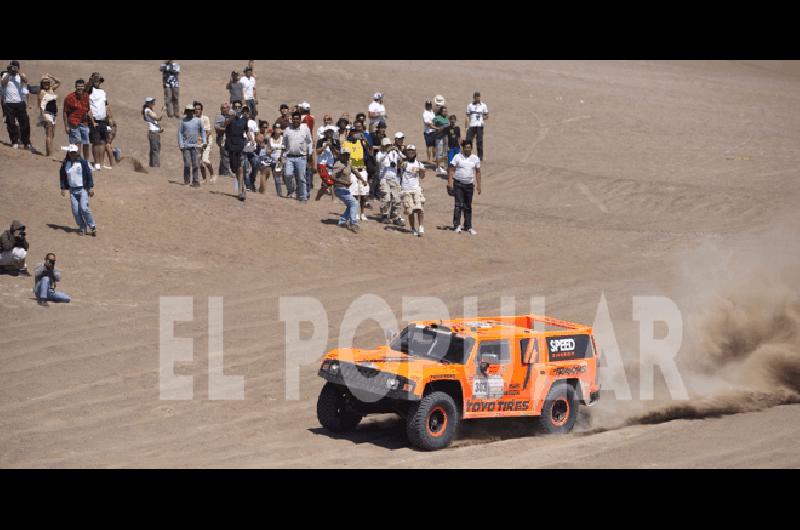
column 334, row 409
column 560, row 410
column 433, row 422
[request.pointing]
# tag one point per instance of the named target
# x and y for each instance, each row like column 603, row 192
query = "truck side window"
column 523, row 349
column 497, row 347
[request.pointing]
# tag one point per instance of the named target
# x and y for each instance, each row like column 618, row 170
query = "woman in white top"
column 48, row 109
column 276, row 146
column 154, row 130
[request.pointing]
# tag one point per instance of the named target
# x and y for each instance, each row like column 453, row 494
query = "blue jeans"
column 295, row 170
column 79, row 198
column 79, row 135
column 278, row 178
column 44, row 292
column 351, row 212
column 191, row 164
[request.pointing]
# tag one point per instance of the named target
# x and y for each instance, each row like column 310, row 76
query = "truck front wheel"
column 560, row 410
column 433, row 422
column 334, row 409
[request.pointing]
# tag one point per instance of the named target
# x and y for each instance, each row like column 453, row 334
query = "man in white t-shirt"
column 377, row 111
column 206, row 169
column 429, row 130
column 477, row 115
column 15, row 99
column 98, row 123
column 248, row 82
column 463, row 178
column 411, row 171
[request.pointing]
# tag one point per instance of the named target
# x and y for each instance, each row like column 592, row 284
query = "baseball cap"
column 149, row 100
column 72, row 148
column 189, row 107
column 439, row 100
column 411, row 147
column 386, row 141
column 398, row 134
column 377, row 95
column 305, row 105
column 381, row 125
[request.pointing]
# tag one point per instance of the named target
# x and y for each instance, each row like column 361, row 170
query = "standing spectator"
column 412, row 171
column 276, row 149
column 327, row 123
column 99, row 111
column 154, row 130
column 112, row 153
column 376, row 142
column 205, row 163
column 377, row 111
column 248, row 83
column 429, row 130
column 359, row 188
column 328, row 150
column 262, row 155
column 342, row 178
column 309, row 121
column 477, row 115
column 343, row 125
column 45, row 278
column 76, row 177
column 285, row 118
column 76, row 117
column 464, row 177
column 15, row 105
column 298, row 145
column 235, row 130
column 48, row 109
column 453, row 137
column 191, row 138
column 389, row 163
column 219, row 128
column 170, row 73
column 441, row 122
column 399, row 141
column 235, row 87
column 14, row 249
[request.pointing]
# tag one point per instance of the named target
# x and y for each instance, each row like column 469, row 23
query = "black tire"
column 334, row 409
column 433, row 422
column 560, row 410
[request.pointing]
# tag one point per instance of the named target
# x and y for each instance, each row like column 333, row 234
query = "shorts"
column 357, row 188
column 98, row 134
column 412, row 200
column 48, row 119
column 79, row 134
column 235, row 160
column 430, row 139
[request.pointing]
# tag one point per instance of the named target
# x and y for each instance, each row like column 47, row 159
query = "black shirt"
column 234, row 134
column 453, row 135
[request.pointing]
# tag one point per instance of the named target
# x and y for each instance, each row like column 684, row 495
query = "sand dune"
column 601, row 179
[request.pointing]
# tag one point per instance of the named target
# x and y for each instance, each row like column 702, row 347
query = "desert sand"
column 601, row 180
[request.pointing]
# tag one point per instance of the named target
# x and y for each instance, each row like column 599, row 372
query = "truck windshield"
column 431, row 343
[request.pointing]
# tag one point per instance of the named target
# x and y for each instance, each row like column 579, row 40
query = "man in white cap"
column 191, row 139
column 388, row 161
column 76, row 177
column 412, row 171
column 308, row 120
column 377, row 112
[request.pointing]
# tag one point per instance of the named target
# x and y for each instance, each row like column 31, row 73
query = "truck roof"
column 505, row 326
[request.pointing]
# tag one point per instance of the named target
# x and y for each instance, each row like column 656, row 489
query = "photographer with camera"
column 389, row 161
column 14, row 249
column 16, row 105
column 45, row 278
column 170, row 72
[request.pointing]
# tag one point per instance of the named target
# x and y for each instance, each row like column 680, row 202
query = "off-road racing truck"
column 435, row 373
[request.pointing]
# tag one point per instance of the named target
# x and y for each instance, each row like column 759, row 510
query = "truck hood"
column 386, row 360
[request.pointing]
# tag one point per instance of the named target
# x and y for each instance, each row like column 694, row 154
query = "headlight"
column 332, row 367
column 392, row 383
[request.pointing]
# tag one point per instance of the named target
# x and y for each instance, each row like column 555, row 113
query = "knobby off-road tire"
column 560, row 410
column 433, row 422
column 334, row 411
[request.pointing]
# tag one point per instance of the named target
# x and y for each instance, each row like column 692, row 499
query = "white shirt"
column 74, row 174
column 379, row 108
column 477, row 113
column 410, row 181
column 465, row 168
column 14, row 91
column 152, row 126
column 248, row 86
column 97, row 102
column 387, row 171
column 427, row 119
column 252, row 128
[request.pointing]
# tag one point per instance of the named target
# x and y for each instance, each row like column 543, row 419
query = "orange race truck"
column 435, row 373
